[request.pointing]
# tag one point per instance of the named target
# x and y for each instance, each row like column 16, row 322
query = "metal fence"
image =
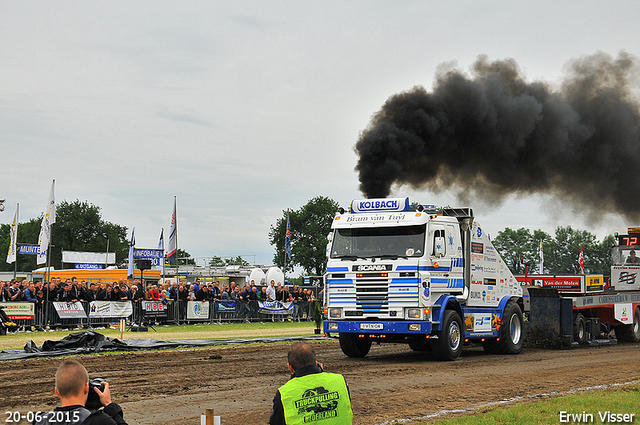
column 174, row 313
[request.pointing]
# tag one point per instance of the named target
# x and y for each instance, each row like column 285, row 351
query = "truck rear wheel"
column 579, row 329
column 448, row 346
column 630, row 333
column 353, row 346
column 511, row 335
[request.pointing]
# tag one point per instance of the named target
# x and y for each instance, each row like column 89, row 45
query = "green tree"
column 236, row 261
column 184, row 258
column 79, row 227
column 217, row 262
column 310, row 226
column 514, row 245
column 560, row 252
column 28, row 233
column 565, row 250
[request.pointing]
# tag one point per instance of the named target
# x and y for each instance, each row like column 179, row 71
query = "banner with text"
column 275, row 307
column 70, row 310
column 110, row 309
column 197, row 310
column 19, row 311
column 226, row 307
column 154, row 309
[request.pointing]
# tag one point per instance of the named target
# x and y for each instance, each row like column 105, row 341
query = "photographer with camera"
column 80, row 398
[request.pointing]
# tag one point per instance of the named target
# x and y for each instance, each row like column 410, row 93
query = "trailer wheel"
column 630, row 333
column 353, row 346
column 511, row 330
column 448, row 346
column 579, row 329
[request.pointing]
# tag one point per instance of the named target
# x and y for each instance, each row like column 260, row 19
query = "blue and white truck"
column 403, row 273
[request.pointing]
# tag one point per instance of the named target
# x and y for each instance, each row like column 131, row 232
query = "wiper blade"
column 348, row 257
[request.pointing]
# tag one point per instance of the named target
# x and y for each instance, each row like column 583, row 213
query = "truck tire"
column 353, row 346
column 579, row 329
column 448, row 346
column 511, row 329
column 630, row 333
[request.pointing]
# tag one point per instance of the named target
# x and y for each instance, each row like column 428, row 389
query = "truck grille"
column 372, row 295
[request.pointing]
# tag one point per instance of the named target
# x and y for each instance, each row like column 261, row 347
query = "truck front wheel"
column 353, row 346
column 448, row 346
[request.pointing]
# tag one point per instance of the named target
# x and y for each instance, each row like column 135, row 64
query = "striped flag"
column 172, row 247
column 45, row 229
column 581, row 260
column 13, row 245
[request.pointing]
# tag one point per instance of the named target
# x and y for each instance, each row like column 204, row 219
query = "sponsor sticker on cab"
column 371, row 326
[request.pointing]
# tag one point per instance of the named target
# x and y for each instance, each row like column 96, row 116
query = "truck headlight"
column 414, row 313
column 414, row 326
column 335, row 313
column 332, row 326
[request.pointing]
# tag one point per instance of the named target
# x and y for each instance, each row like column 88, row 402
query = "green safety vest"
column 320, row 398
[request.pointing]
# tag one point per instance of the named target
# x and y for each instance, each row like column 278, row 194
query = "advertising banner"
column 19, row 311
column 197, row 310
column 155, row 255
column 88, row 257
column 275, row 307
column 28, row 249
column 226, row 307
column 110, row 309
column 154, row 308
column 70, row 310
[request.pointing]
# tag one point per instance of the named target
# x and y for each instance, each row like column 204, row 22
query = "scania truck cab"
column 407, row 273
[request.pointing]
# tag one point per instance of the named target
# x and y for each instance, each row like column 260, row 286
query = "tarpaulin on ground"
column 93, row 342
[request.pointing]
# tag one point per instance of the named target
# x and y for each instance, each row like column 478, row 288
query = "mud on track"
column 392, row 382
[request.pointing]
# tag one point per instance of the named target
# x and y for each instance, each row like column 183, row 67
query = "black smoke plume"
column 491, row 134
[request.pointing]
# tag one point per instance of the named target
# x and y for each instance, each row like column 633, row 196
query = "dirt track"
column 392, row 382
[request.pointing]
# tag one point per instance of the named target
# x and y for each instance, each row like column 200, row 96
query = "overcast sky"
column 243, row 109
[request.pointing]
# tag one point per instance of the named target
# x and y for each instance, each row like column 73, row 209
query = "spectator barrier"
column 97, row 314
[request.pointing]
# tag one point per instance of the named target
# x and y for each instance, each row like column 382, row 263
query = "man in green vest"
column 311, row 395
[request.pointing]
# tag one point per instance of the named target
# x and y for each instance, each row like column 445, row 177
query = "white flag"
column 541, row 259
column 172, row 247
column 45, row 229
column 13, row 245
column 161, row 246
column 131, row 247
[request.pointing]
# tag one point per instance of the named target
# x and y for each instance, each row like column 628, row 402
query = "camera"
column 93, row 401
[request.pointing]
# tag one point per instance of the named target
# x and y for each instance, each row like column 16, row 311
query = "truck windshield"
column 404, row 241
column 625, row 255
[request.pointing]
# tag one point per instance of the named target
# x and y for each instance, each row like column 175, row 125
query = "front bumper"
column 396, row 327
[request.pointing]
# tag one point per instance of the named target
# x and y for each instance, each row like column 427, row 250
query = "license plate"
column 371, row 326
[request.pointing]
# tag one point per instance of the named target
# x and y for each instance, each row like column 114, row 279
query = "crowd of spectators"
column 246, row 298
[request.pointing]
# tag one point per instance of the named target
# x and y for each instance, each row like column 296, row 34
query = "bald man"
column 72, row 386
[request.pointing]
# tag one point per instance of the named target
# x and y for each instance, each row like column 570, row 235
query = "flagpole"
column 15, row 248
column 284, row 272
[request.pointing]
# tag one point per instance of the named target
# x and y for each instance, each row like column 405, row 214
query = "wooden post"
column 209, row 415
column 209, row 419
